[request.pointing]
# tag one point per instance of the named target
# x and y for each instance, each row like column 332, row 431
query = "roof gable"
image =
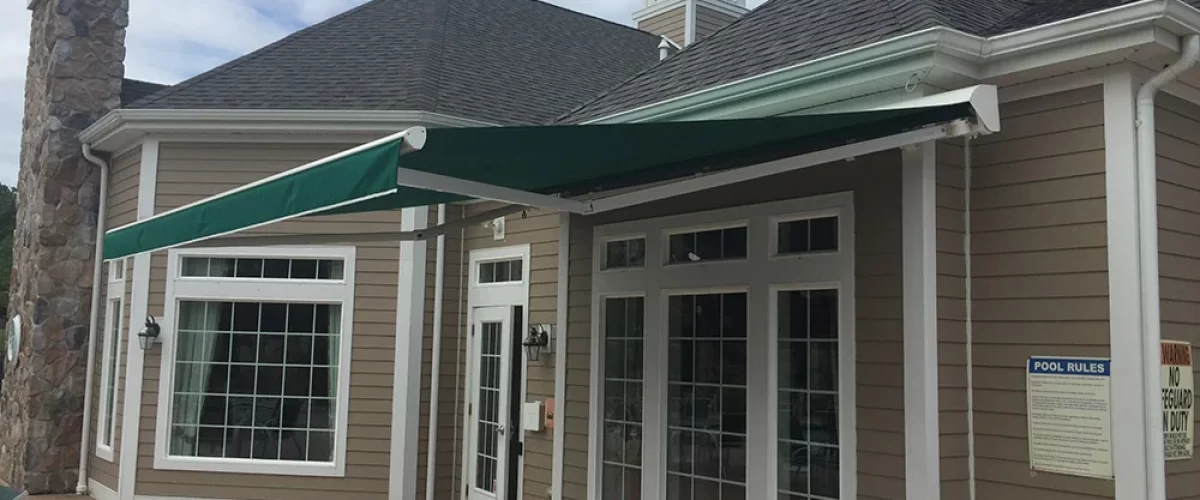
column 501, row 61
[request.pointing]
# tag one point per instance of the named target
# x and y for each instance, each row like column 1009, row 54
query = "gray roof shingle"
column 503, row 61
column 132, row 90
column 783, row 33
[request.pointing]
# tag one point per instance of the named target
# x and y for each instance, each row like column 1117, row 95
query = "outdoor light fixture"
column 149, row 334
column 538, row 341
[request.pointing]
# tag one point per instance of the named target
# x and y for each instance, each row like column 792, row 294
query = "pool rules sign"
column 1178, row 400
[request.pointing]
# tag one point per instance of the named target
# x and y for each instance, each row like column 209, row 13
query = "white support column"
column 1130, row 461
column 921, row 452
column 410, row 327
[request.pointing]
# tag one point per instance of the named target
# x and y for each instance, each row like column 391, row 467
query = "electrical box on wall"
column 498, row 228
column 532, row 417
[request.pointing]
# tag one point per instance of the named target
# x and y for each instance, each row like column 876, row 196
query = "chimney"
column 685, row 22
column 75, row 67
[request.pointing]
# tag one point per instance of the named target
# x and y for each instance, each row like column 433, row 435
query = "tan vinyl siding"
column 1179, row 253
column 951, row 320
column 875, row 181
column 668, row 24
column 124, row 171
column 191, row 171
column 708, row 21
column 1039, row 275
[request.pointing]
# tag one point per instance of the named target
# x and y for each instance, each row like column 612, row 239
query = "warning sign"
column 1178, row 400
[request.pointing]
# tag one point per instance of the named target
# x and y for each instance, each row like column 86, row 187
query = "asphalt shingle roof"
column 502, row 61
column 132, row 90
column 783, row 33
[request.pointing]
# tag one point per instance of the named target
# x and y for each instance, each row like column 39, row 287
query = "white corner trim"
column 135, row 362
column 1130, row 460
column 560, row 354
column 922, row 456
column 177, row 288
column 689, row 22
column 101, row 492
column 410, row 327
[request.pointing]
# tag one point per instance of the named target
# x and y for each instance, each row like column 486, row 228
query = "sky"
column 170, row 40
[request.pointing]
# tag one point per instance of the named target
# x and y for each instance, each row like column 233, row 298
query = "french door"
column 489, row 419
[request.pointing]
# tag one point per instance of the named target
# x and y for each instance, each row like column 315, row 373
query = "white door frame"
column 760, row 274
column 489, row 295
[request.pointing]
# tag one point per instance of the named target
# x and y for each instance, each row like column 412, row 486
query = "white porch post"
column 406, row 391
column 1130, row 460
column 921, row 456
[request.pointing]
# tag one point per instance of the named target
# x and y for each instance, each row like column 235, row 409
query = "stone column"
column 76, row 65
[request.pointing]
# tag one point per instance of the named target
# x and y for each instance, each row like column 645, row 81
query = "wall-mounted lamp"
column 149, row 334
column 539, row 341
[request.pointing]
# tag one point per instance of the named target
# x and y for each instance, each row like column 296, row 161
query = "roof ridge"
column 290, row 38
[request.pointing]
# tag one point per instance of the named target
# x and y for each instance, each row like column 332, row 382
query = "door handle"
column 500, row 430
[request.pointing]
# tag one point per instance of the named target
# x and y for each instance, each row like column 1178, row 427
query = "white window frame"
column 115, row 292
column 267, row 290
column 762, row 274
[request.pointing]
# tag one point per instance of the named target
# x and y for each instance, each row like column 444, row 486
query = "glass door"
column 489, row 405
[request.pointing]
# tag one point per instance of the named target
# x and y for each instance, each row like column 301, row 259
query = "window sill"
column 251, row 466
column 104, row 453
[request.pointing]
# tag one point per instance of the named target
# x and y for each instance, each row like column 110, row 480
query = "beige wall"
column 875, row 181
column 189, row 172
column 122, row 209
column 1179, row 248
column 1040, row 281
column 668, row 24
column 708, row 21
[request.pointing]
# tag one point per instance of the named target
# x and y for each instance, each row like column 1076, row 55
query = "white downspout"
column 438, row 290
column 1147, row 157
column 85, row 449
column 969, row 325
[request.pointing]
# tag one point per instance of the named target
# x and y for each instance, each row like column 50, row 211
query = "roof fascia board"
column 824, row 68
column 1125, row 27
column 122, row 126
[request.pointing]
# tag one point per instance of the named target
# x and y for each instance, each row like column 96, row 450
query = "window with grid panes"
column 622, row 445
column 808, row 395
column 706, row 412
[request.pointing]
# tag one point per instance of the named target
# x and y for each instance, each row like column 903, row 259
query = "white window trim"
column 199, row 288
column 762, row 274
column 115, row 291
column 510, row 293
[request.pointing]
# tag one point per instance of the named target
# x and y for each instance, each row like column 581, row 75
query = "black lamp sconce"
column 149, row 335
column 540, row 340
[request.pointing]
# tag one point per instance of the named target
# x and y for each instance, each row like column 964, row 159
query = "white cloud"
column 170, row 40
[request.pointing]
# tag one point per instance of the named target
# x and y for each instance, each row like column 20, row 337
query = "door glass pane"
column 488, row 439
column 622, row 445
column 808, row 395
column 706, row 415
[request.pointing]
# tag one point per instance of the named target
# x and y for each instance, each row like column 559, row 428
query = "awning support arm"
column 952, row 129
column 343, row 238
column 484, row 191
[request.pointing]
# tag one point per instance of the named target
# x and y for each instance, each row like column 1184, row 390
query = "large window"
column 741, row 383
column 113, row 346
column 257, row 362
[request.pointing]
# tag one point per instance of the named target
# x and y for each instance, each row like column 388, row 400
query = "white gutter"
column 85, row 448
column 1147, row 158
column 438, row 291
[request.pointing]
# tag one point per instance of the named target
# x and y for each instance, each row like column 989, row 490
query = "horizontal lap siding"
column 122, row 209
column 951, row 320
column 875, row 181
column 1039, row 275
column 189, row 172
column 708, row 21
column 1179, row 249
column 668, row 24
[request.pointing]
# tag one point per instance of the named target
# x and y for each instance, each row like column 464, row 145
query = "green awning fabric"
column 570, row 160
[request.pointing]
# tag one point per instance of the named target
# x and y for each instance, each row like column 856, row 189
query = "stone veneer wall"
column 77, row 49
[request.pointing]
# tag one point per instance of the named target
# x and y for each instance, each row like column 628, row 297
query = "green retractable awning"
column 567, row 160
